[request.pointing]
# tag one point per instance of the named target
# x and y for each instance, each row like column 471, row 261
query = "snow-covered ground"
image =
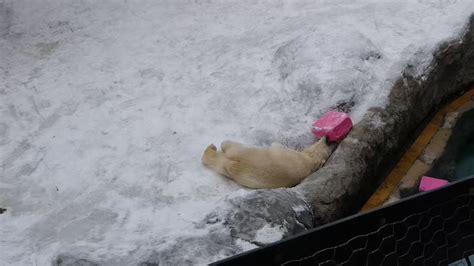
column 106, row 106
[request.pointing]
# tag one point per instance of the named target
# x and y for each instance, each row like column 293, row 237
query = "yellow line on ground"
column 384, row 191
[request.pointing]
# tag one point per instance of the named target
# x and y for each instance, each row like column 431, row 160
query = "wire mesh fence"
column 434, row 228
column 425, row 238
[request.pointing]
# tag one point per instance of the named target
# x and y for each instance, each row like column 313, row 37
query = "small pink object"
column 428, row 183
column 334, row 125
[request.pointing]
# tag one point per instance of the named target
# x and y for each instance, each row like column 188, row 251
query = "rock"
column 450, row 120
column 242, row 223
column 68, row 260
column 274, row 207
column 436, row 147
column 409, row 184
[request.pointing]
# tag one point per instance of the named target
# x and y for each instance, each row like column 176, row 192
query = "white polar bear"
column 272, row 167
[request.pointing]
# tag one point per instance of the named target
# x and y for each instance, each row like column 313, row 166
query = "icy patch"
column 245, row 245
column 269, row 234
column 299, row 208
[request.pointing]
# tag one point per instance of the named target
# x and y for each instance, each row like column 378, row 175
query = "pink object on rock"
column 428, row 183
column 334, row 125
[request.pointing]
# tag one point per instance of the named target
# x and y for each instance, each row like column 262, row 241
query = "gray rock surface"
column 67, row 260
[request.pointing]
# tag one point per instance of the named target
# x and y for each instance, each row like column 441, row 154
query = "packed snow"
column 107, row 106
column 268, row 234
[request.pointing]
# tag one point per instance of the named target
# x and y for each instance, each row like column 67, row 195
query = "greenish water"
column 457, row 161
column 465, row 160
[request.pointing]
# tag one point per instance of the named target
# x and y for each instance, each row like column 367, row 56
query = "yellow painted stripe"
column 384, row 191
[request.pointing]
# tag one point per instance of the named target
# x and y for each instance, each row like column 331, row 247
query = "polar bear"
column 273, row 167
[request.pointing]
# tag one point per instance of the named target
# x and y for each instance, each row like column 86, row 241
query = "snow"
column 106, row 106
column 245, row 245
column 269, row 234
column 297, row 209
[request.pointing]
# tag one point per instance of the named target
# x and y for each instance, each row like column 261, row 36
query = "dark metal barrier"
column 432, row 228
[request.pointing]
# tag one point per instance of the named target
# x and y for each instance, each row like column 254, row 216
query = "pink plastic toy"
column 334, row 125
column 428, row 183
